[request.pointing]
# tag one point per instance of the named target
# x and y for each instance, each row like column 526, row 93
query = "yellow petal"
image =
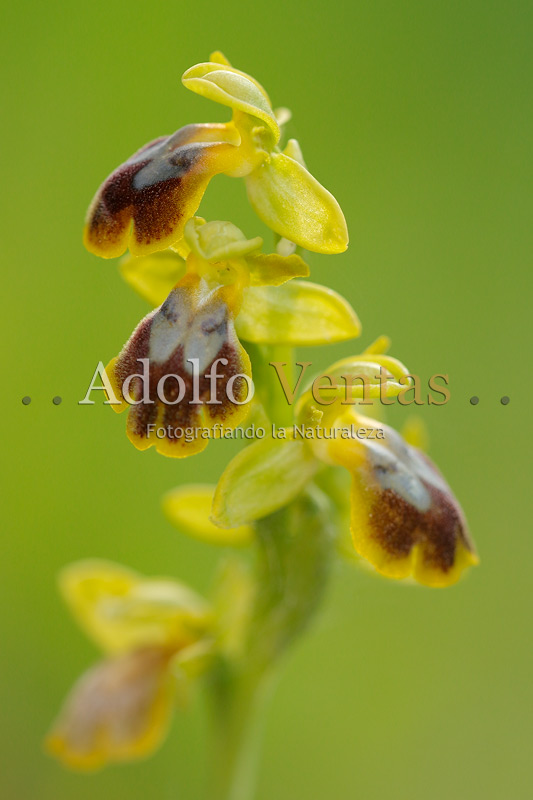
column 120, row 610
column 285, row 247
column 283, row 115
column 404, row 517
column 235, row 89
column 189, row 509
column 182, row 248
column 298, row 313
column 295, row 205
column 353, row 380
column 153, row 276
column 379, row 346
column 275, row 269
column 294, row 151
column 145, row 203
column 379, row 375
column 118, row 711
column 218, row 241
column 219, row 58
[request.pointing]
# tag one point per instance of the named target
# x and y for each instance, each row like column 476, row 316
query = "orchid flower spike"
column 146, row 202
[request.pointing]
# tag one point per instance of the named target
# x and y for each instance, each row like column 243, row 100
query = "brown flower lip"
column 157, row 190
column 119, row 709
column 183, row 365
column 414, row 505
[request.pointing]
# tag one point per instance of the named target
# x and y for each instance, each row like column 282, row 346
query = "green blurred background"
column 418, row 116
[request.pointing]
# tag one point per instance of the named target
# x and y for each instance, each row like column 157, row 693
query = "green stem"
column 240, row 705
column 293, row 554
column 267, row 383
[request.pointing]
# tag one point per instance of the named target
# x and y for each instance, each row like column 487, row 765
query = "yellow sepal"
column 120, row 610
column 369, row 368
column 298, row 313
column 188, row 508
column 233, row 88
column 153, row 277
column 295, row 205
column 294, row 151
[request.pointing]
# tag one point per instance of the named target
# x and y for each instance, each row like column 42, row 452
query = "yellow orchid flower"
column 120, row 708
column 319, row 474
column 146, row 202
column 183, row 373
column 276, row 307
column 405, row 519
column 281, row 190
